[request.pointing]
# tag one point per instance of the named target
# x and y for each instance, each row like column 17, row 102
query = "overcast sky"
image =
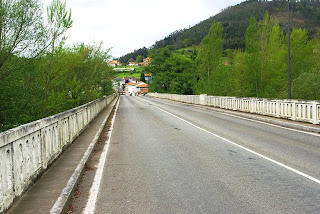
column 126, row 25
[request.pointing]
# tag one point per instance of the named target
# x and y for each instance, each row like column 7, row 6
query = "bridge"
column 166, row 153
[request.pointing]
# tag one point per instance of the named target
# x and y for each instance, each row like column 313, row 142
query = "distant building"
column 146, row 61
column 115, row 63
column 135, row 89
column 133, row 64
column 131, row 89
column 142, row 88
column 148, row 78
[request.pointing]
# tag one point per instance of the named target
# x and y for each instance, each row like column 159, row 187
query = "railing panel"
column 6, row 176
column 26, row 151
column 306, row 111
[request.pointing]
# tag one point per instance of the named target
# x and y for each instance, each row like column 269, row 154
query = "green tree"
column 59, row 21
column 252, row 58
column 301, row 52
column 275, row 75
column 265, row 29
column 81, row 74
column 187, row 42
column 171, row 70
column 316, row 53
column 21, row 94
column 240, row 80
column 306, row 86
column 21, row 30
column 22, row 39
column 139, row 58
column 209, row 58
column 38, row 76
column 142, row 77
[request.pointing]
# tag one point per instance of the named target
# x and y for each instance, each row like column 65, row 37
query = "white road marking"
column 265, row 123
column 94, row 190
column 220, row 111
column 242, row 147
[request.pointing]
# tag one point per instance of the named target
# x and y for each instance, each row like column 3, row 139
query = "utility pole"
column 193, row 72
column 289, row 64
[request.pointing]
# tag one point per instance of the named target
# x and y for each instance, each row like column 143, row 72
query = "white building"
column 131, row 89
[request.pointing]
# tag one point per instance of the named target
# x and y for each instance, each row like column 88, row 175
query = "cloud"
column 127, row 25
column 219, row 5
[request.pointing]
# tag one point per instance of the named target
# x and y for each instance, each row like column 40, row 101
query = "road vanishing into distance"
column 169, row 157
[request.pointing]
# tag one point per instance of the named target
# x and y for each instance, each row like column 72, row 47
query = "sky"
column 127, row 25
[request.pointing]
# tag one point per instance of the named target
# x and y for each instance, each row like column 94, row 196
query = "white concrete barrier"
column 297, row 110
column 26, row 151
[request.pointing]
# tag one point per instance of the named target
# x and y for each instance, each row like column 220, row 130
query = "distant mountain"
column 235, row 20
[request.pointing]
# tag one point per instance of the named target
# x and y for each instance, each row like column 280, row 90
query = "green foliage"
column 59, row 21
column 252, row 58
column 241, row 78
column 142, row 77
column 139, row 58
column 273, row 56
column 209, row 58
column 21, row 94
column 260, row 70
column 130, row 57
column 136, row 74
column 302, row 51
column 21, row 30
column 79, row 74
column 306, row 86
column 235, row 20
column 171, row 71
column 37, row 81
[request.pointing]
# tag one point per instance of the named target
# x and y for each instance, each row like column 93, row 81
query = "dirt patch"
column 81, row 193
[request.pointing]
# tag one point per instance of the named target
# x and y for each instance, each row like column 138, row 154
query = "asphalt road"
column 166, row 157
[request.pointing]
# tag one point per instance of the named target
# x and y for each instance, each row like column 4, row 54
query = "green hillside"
column 235, row 20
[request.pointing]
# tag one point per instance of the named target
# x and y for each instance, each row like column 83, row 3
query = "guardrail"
column 26, row 151
column 297, row 110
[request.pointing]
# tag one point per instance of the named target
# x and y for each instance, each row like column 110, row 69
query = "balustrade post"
column 293, row 109
column 203, row 99
column 278, row 108
column 314, row 112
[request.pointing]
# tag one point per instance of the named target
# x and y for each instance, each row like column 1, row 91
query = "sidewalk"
column 42, row 196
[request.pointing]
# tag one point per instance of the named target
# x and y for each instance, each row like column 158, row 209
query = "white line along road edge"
column 94, row 190
column 242, row 147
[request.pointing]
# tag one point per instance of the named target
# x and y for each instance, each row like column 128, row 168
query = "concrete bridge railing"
column 26, row 151
column 297, row 110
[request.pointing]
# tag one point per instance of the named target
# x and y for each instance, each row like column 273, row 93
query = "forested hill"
column 235, row 19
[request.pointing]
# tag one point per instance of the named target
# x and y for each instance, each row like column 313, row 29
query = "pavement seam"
column 60, row 205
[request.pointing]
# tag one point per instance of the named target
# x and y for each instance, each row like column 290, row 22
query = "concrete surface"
column 42, row 196
column 158, row 163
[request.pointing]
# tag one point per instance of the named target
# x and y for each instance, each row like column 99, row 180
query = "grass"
column 136, row 73
column 126, row 74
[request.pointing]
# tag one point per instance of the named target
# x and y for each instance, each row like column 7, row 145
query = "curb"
column 60, row 205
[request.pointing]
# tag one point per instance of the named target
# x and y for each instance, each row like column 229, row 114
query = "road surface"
column 166, row 157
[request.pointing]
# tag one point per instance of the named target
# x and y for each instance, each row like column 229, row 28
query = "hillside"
column 305, row 14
